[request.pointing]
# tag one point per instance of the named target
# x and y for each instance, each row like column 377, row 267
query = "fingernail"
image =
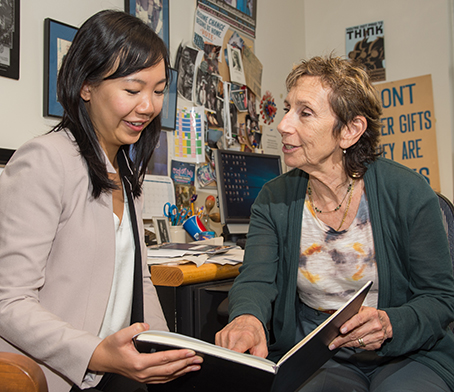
column 190, row 353
column 343, row 331
column 194, row 368
column 197, row 360
column 332, row 347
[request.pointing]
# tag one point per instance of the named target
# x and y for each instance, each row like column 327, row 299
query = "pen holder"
column 177, row 234
column 194, row 226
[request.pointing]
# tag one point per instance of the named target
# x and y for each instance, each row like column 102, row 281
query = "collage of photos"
column 217, row 71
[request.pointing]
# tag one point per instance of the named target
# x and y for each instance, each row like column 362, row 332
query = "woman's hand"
column 117, row 354
column 242, row 334
column 367, row 330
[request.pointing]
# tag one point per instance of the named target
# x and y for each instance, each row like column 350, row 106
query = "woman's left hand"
column 367, row 330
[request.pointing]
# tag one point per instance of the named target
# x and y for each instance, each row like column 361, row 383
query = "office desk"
column 190, row 304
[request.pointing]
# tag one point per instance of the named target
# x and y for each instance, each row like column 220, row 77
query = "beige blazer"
column 57, row 255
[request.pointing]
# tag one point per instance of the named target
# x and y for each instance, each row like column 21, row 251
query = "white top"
column 118, row 312
column 334, row 264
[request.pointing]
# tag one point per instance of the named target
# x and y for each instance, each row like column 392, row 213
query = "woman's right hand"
column 244, row 333
column 117, row 354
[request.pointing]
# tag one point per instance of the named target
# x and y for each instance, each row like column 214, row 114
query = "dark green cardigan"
column 416, row 287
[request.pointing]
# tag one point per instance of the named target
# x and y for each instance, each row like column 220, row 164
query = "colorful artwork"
column 189, row 135
column 268, row 108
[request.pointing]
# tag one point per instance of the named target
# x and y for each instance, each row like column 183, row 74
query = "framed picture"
column 155, row 13
column 161, row 229
column 169, row 106
column 57, row 40
column 241, row 14
column 5, row 155
column 9, row 38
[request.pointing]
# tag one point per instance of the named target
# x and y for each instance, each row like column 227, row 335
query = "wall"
column 417, row 42
column 21, row 101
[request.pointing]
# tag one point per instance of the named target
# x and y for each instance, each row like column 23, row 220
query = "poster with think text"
column 408, row 132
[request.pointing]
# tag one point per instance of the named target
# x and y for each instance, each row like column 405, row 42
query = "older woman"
column 344, row 216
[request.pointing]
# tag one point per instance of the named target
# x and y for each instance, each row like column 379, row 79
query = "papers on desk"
column 198, row 254
column 187, row 249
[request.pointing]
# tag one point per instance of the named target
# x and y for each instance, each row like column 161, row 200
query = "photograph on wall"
column 155, row 13
column 408, row 132
column 239, row 14
column 253, row 131
column 9, row 38
column 219, row 111
column 208, row 30
column 236, row 65
column 206, row 85
column 58, row 37
column 211, row 58
column 185, row 63
column 239, row 98
column 366, row 44
column 252, row 105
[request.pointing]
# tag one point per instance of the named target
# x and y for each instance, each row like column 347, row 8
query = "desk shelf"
column 183, row 274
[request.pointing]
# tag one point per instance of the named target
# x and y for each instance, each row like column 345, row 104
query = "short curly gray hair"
column 352, row 94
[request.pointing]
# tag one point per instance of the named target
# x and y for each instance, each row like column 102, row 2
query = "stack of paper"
column 196, row 253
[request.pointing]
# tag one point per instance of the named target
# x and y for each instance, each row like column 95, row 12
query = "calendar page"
column 157, row 191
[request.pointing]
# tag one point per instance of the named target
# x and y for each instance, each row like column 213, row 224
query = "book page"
column 181, row 341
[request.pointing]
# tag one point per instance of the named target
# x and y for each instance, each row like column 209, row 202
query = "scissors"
column 171, row 212
column 184, row 213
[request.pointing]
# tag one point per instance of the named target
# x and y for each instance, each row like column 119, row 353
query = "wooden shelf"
column 183, row 274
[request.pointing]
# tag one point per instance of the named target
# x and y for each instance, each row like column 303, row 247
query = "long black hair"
column 108, row 41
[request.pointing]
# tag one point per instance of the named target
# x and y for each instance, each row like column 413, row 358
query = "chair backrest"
column 447, row 212
column 20, row 373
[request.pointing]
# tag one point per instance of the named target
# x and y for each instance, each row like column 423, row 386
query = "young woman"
column 73, row 271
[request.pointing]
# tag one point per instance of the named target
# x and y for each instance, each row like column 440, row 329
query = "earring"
column 344, row 151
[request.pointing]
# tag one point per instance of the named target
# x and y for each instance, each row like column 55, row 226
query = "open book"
column 227, row 370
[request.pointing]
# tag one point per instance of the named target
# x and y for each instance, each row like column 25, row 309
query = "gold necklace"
column 348, row 206
column 309, row 192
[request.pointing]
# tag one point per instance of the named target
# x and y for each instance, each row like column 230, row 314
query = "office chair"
column 447, row 212
column 20, row 373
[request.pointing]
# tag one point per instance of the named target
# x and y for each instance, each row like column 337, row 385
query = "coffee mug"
column 177, row 234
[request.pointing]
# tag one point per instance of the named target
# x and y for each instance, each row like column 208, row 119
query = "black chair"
column 447, row 211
